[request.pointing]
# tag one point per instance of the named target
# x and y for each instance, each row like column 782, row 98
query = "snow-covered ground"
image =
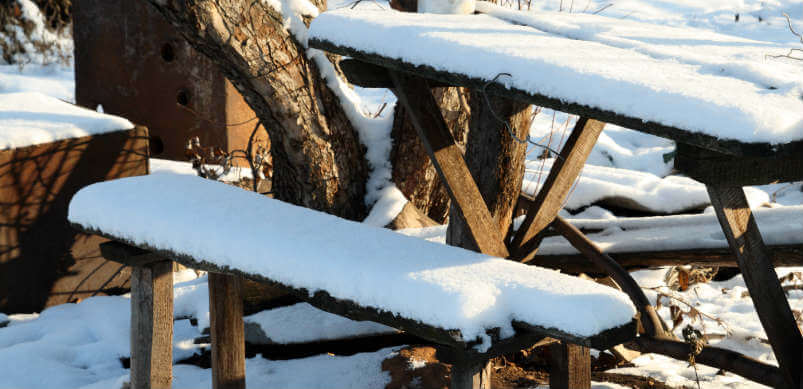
column 80, row 345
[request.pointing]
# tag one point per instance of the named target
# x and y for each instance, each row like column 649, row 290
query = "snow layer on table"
column 693, row 97
column 443, row 286
column 30, row 118
column 629, row 189
column 300, row 323
column 779, row 226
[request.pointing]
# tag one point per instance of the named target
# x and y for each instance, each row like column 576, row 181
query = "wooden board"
column 718, row 169
column 152, row 326
column 773, row 309
column 526, row 333
column 570, row 367
column 498, row 88
column 226, row 331
column 549, row 200
column 415, row 95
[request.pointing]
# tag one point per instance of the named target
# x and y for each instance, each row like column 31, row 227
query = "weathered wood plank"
column 649, row 318
column 773, row 309
column 415, row 95
column 369, row 75
column 718, row 169
column 602, row 341
column 152, row 325
column 549, row 200
column 471, row 375
column 499, row 88
column 527, row 334
column 727, row 360
column 226, row 331
column 577, row 263
column 127, row 255
column 570, row 366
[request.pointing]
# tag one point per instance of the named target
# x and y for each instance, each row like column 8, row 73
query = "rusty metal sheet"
column 43, row 261
column 135, row 64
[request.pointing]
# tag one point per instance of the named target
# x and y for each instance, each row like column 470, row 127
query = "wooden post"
column 549, row 199
column 471, row 375
column 415, row 95
column 773, row 309
column 571, row 366
column 227, row 332
column 152, row 325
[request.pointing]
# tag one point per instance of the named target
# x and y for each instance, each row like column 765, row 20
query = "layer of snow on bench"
column 440, row 285
column 30, row 118
column 778, row 226
column 692, row 97
column 310, row 324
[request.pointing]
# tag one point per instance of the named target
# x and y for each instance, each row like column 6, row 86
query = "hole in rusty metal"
column 183, row 97
column 156, row 145
column 168, row 54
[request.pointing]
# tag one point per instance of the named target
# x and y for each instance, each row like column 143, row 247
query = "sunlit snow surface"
column 38, row 354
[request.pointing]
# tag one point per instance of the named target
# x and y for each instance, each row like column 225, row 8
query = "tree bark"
column 413, row 172
column 495, row 160
column 318, row 160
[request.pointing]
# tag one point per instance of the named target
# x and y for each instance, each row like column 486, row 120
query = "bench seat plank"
column 349, row 268
column 632, row 89
column 779, row 226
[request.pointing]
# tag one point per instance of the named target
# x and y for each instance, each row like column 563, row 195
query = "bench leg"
column 474, row 375
column 152, row 325
column 571, row 366
column 754, row 261
column 227, row 332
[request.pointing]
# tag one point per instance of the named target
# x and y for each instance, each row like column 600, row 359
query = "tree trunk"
column 495, row 160
column 413, row 172
column 318, row 161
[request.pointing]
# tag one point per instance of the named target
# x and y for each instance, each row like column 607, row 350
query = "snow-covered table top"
column 30, row 118
column 654, row 79
column 441, row 286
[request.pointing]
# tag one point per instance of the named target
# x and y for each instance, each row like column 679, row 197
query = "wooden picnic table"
column 730, row 132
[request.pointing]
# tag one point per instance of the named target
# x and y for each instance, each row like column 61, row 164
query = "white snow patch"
column 166, row 166
column 390, row 203
column 373, row 267
column 300, row 323
column 624, row 81
column 30, row 118
column 779, row 226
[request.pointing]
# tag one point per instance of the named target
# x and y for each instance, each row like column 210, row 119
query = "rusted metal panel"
column 43, row 261
column 135, row 64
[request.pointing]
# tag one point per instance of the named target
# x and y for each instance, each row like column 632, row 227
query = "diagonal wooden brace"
column 415, row 95
column 550, row 198
column 773, row 309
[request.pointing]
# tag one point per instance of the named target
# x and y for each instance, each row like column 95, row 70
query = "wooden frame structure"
column 703, row 157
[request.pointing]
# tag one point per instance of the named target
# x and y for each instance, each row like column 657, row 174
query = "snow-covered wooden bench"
column 734, row 124
column 475, row 305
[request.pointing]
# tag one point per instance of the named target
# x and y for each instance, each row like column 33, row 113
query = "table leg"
column 415, row 95
column 570, row 366
column 227, row 332
column 550, row 198
column 152, row 325
column 754, row 261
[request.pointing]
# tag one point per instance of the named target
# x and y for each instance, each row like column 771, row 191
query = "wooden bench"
column 475, row 306
column 732, row 128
